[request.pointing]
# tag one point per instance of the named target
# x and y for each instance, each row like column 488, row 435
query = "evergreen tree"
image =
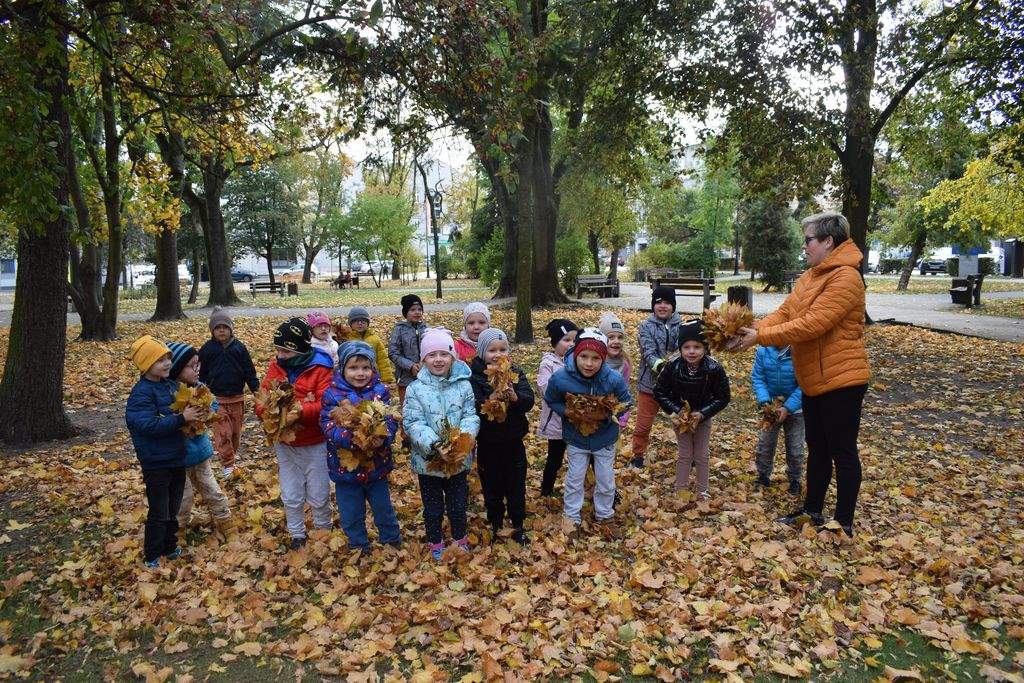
column 770, row 239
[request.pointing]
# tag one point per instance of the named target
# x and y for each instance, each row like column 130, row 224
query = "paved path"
column 933, row 311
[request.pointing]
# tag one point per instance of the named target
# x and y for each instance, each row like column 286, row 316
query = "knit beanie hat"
column 318, row 318
column 181, row 354
column 436, row 339
column 352, row 349
column 221, row 317
column 610, row 323
column 294, row 335
column 591, row 339
column 485, row 339
column 476, row 307
column 558, row 328
column 663, row 294
column 408, row 301
column 692, row 330
column 358, row 313
column 146, row 351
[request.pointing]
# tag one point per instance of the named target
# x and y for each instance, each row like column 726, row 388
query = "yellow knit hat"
column 146, row 351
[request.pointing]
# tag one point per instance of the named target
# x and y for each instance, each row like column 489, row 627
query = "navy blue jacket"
column 227, row 370
column 569, row 380
column 155, row 429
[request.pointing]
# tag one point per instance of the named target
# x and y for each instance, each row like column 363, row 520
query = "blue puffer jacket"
column 772, row 375
column 155, row 428
column 428, row 401
column 568, row 380
column 199, row 448
column 341, row 437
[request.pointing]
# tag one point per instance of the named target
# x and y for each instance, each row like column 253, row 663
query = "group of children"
column 442, row 384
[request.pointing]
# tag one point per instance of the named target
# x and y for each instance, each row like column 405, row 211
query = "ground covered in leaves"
column 1010, row 308
column 931, row 587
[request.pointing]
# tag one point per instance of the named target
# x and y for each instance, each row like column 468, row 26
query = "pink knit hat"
column 436, row 339
column 318, row 318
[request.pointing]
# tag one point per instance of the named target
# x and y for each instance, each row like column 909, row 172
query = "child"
column 226, row 367
column 441, row 391
column 771, row 376
column 198, row 452
column 359, row 330
column 404, row 344
column 320, row 323
column 699, row 380
column 357, row 380
column 501, row 453
column 586, row 372
column 563, row 334
column 475, row 318
column 302, row 464
column 659, row 336
column 618, row 359
column 159, row 445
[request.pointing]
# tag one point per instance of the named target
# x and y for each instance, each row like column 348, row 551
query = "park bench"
column 266, row 287
column 790, row 277
column 689, row 286
column 604, row 285
column 966, row 291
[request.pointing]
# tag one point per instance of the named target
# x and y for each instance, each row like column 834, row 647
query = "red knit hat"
column 591, row 339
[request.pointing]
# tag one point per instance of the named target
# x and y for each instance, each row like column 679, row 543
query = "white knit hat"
column 476, row 307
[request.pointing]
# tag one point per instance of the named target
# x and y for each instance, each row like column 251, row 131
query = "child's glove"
column 658, row 364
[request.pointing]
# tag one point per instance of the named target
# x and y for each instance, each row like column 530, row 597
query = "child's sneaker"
column 151, row 564
column 174, row 554
column 228, row 471
column 297, row 543
column 463, row 543
column 436, row 549
column 794, row 488
column 520, row 537
column 637, row 461
column 704, row 495
column 800, row 517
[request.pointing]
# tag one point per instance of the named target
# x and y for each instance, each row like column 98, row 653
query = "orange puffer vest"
column 823, row 323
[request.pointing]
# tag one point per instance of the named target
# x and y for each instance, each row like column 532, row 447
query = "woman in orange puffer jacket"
column 823, row 323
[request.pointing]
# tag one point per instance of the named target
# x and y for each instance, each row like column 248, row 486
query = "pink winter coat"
column 550, row 424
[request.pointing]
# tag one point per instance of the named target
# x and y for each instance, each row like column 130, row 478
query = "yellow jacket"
column 387, row 373
column 823, row 323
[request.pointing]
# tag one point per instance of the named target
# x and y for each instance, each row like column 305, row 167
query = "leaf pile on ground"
column 693, row 589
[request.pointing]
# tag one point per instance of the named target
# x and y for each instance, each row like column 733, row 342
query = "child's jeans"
column 304, row 479
column 553, row 463
column 604, row 489
column 227, row 431
column 693, row 450
column 352, row 499
column 164, row 488
column 199, row 479
column 793, row 426
column 502, row 468
column 440, row 494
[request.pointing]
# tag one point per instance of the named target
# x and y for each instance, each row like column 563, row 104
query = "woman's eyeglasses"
column 808, row 240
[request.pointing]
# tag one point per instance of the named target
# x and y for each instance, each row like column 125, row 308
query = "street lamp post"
column 435, row 215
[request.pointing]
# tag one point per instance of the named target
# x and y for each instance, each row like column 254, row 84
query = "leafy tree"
column 378, row 225
column 770, row 238
column 262, row 211
column 592, row 206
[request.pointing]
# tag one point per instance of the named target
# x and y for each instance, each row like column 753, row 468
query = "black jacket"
column 227, row 369
column 515, row 425
column 706, row 391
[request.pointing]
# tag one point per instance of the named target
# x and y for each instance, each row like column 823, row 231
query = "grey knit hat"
column 485, row 339
column 221, row 317
column 358, row 313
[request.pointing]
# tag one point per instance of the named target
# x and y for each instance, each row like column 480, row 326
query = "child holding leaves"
column 356, row 402
column 503, row 399
column 439, row 416
column 695, row 388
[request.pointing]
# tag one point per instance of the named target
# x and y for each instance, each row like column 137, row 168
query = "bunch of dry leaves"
column 502, row 379
column 686, row 420
column 199, row 397
column 770, row 413
column 448, row 456
column 281, row 411
column 367, row 423
column 587, row 412
column 723, row 324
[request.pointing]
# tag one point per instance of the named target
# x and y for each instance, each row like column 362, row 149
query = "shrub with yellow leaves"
column 502, row 378
column 587, row 412
column 199, row 397
column 723, row 325
column 280, row 411
column 367, row 422
column 449, row 453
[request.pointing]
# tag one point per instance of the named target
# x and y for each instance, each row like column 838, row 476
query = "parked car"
column 294, row 274
column 933, row 267
column 622, row 261
column 242, row 275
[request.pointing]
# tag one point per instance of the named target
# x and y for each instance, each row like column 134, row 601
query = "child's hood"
column 341, row 383
column 552, row 357
column 460, row 370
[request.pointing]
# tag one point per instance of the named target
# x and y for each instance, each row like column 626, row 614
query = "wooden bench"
column 966, row 291
column 789, row 277
column 690, row 286
column 267, row 287
column 602, row 284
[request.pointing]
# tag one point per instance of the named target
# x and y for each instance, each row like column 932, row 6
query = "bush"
column 891, row 265
column 572, row 256
column 490, row 258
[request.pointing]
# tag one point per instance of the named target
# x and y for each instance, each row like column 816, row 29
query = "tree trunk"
column 525, row 213
column 613, row 269
column 112, row 207
column 218, row 258
column 197, row 272
column 503, row 197
column 168, row 289
column 32, row 389
column 269, row 256
column 309, row 254
column 915, row 253
column 594, row 248
column 545, row 288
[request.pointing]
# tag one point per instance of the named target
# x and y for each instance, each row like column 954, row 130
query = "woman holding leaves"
column 693, row 388
column 503, row 399
column 359, row 428
column 822, row 321
column 439, row 416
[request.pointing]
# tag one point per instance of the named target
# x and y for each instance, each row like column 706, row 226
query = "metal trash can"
column 293, row 289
